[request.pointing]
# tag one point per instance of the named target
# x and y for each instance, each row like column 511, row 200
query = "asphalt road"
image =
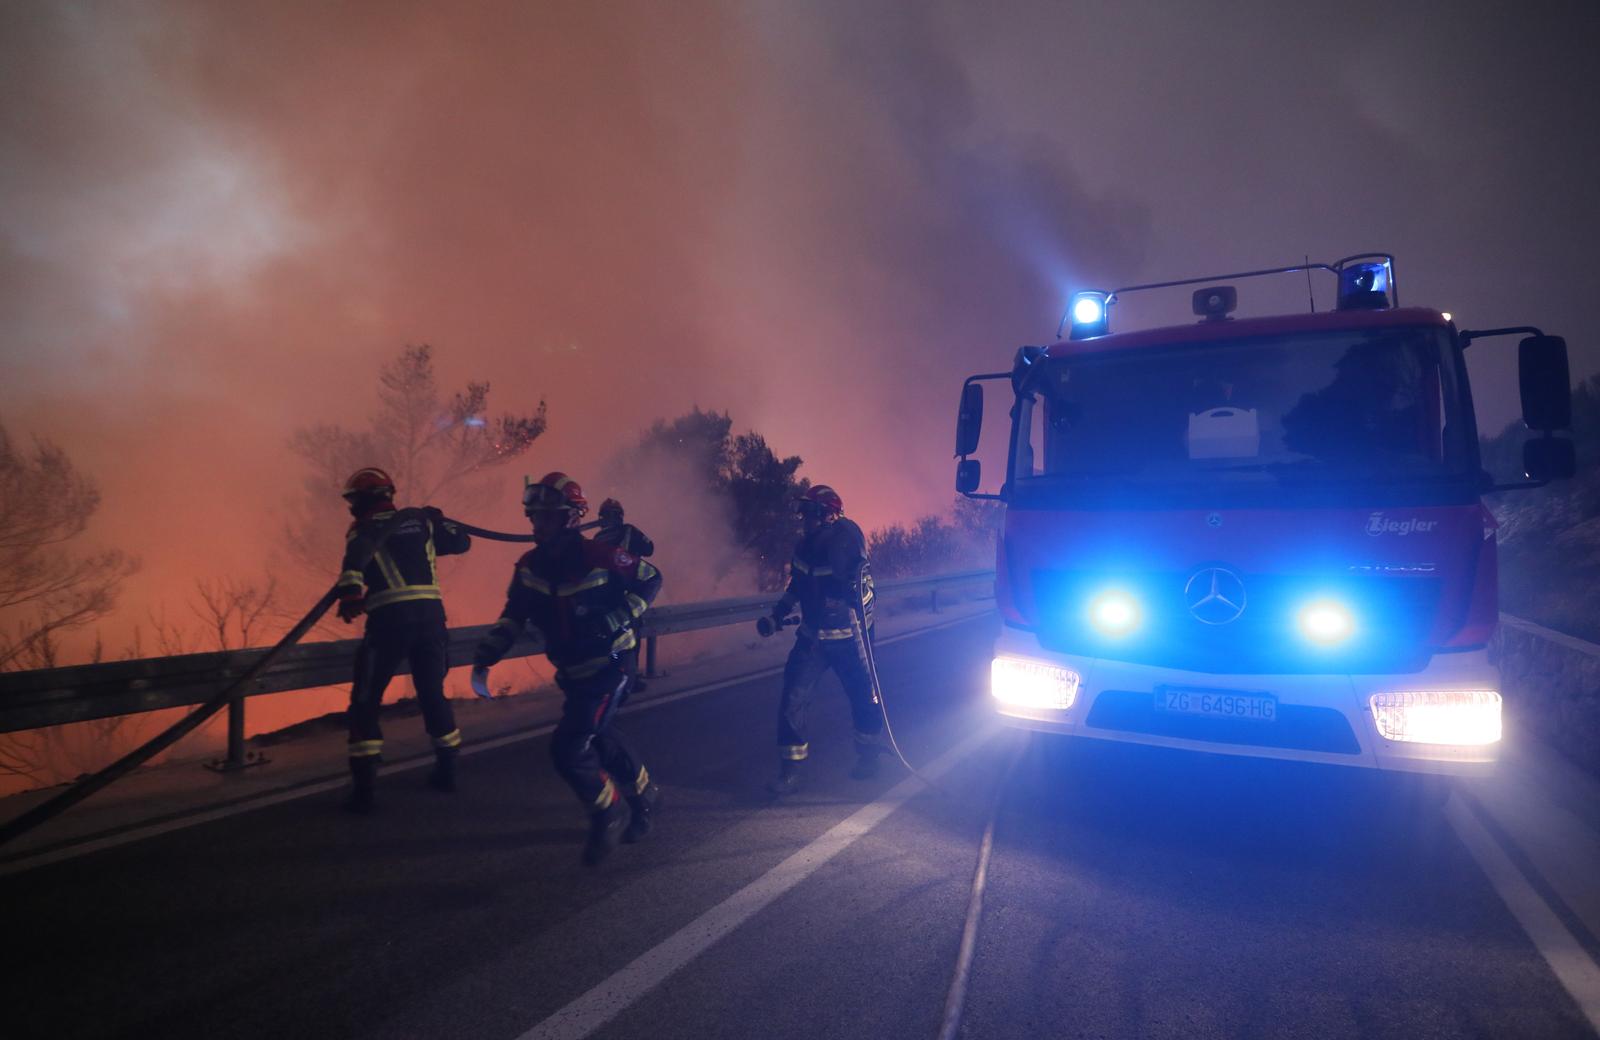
column 1130, row 894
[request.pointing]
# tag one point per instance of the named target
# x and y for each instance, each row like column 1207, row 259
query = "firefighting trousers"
column 589, row 753
column 412, row 631
column 807, row 661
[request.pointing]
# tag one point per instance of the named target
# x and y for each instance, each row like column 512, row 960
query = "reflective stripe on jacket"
column 404, row 568
column 585, row 597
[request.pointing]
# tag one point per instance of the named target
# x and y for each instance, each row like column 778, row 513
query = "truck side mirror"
column 969, row 421
column 969, row 473
column 1549, row 458
column 1546, row 383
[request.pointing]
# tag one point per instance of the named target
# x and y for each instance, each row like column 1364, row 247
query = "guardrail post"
column 237, row 758
column 650, row 657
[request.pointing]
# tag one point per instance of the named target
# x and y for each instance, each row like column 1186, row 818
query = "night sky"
column 219, row 219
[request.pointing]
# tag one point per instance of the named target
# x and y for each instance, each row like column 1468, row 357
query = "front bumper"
column 1317, row 718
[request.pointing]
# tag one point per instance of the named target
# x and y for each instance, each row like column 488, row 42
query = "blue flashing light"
column 1326, row 622
column 1368, row 285
column 1089, row 314
column 1114, row 613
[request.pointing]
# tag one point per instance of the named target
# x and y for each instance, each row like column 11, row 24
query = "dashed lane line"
column 73, row 848
column 1567, row 958
column 616, row 994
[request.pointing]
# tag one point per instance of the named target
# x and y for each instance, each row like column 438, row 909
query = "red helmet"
column 611, row 505
column 369, row 482
column 554, row 491
column 823, row 499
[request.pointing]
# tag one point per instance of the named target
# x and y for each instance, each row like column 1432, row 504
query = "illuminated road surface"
column 1129, row 895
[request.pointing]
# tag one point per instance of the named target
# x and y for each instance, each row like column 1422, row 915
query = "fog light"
column 1032, row 684
column 1438, row 716
column 1114, row 613
column 1326, row 622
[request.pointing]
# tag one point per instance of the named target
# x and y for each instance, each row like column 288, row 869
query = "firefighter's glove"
column 480, row 681
column 352, row 608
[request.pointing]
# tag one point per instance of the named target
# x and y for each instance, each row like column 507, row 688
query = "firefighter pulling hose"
column 586, row 598
column 397, row 587
column 772, row 625
column 831, row 585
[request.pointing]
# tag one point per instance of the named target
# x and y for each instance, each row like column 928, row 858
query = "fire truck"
column 1258, row 536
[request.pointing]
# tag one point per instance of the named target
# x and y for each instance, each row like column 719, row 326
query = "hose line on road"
column 858, row 625
column 956, row 999
column 81, row 789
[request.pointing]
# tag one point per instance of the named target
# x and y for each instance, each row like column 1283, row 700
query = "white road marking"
column 613, row 996
column 91, row 843
column 1566, row 956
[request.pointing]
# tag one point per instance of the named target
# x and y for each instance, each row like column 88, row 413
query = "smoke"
column 219, row 220
column 696, row 548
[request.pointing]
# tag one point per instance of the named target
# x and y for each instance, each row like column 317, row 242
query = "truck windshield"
column 1339, row 407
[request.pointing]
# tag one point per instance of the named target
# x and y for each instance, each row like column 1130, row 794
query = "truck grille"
column 1394, row 616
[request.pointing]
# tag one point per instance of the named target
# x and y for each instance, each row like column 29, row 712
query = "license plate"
column 1221, row 704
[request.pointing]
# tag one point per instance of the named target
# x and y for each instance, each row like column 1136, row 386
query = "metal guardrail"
column 53, row 696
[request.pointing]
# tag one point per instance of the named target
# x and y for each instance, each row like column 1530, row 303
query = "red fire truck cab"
column 1258, row 536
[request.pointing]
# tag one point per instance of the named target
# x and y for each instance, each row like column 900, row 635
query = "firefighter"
column 822, row 583
column 624, row 536
column 586, row 598
column 398, row 590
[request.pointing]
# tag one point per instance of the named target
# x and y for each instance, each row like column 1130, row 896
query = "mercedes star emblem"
column 1215, row 595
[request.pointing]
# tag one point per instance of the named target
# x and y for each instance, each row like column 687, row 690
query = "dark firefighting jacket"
column 626, row 537
column 584, row 596
column 822, row 579
column 403, row 569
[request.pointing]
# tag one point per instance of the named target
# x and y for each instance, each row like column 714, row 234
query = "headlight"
column 1032, row 684
column 1326, row 622
column 1114, row 613
column 1438, row 716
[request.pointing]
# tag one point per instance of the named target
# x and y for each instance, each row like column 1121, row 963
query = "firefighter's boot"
column 788, row 779
column 605, row 830
column 363, row 785
column 866, row 766
column 640, row 807
column 442, row 777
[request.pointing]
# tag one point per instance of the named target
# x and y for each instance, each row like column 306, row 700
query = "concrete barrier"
column 1551, row 685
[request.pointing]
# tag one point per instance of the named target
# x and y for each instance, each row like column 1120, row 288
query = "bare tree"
column 46, row 590
column 234, row 612
column 436, row 449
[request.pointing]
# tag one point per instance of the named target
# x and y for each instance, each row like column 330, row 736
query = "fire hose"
column 89, row 785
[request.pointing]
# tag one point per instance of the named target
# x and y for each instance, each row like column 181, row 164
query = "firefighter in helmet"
column 398, row 589
column 829, row 581
column 586, row 598
column 624, row 536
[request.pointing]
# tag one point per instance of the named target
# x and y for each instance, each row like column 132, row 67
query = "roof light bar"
column 1366, row 282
